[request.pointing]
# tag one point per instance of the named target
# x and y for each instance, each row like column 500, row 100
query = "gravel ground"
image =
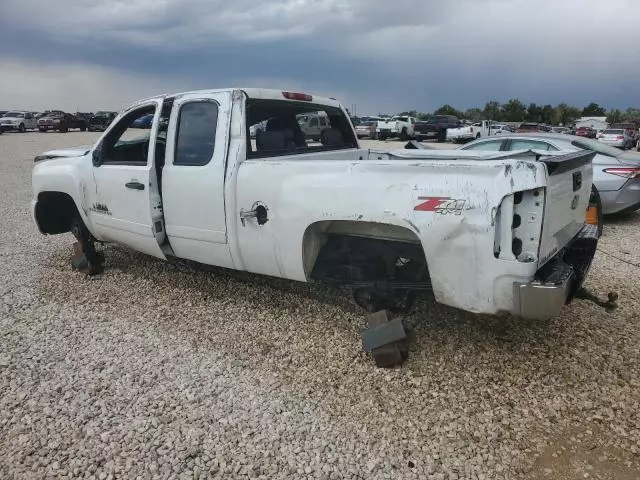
column 155, row 370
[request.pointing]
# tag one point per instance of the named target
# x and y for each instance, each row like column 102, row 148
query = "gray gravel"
column 155, row 370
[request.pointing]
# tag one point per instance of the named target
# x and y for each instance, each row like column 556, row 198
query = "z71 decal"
column 441, row 205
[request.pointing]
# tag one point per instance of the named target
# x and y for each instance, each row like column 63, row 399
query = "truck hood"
column 78, row 151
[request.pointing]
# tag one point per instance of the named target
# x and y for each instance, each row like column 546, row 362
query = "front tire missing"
column 85, row 259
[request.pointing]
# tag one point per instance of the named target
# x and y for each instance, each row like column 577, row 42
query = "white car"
column 487, row 232
column 19, row 121
column 616, row 138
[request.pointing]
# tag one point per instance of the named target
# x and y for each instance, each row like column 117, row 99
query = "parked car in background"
column 616, row 137
column 631, row 130
column 366, row 129
column 586, row 132
column 530, row 127
column 99, row 121
column 616, row 174
column 17, row 120
column 60, row 121
column 398, row 126
column 312, row 125
column 436, row 128
column 563, row 130
column 478, row 130
column 145, row 121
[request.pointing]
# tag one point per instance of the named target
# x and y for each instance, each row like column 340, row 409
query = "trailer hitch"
column 610, row 305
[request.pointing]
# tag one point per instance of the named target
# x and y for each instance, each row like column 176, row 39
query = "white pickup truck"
column 474, row 131
column 488, row 232
column 398, row 126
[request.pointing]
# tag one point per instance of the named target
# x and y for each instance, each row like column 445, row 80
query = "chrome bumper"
column 540, row 301
column 556, row 283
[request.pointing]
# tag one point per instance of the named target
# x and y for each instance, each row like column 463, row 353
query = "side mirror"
column 96, row 157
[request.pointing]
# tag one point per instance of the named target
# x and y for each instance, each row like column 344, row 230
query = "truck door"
column 123, row 200
column 193, row 178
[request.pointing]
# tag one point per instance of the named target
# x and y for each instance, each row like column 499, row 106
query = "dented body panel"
column 459, row 207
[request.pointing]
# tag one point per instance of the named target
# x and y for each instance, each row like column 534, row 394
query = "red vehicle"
column 587, row 132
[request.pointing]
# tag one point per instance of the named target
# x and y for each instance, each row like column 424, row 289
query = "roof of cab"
column 258, row 93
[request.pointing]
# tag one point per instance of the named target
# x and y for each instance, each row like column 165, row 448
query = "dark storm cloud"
column 384, row 56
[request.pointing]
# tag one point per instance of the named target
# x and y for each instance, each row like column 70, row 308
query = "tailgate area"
column 567, row 197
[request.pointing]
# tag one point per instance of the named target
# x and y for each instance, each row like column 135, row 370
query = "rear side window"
column 296, row 127
column 195, row 139
column 493, row 146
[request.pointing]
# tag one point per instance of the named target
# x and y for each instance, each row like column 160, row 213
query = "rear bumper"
column 556, row 283
column 626, row 198
column 419, row 135
column 614, row 143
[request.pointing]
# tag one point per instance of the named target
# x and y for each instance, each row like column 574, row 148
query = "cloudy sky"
column 381, row 55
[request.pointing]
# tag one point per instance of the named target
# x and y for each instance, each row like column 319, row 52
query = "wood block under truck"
column 487, row 232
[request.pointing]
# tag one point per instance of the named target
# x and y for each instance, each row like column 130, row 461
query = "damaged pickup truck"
column 488, row 232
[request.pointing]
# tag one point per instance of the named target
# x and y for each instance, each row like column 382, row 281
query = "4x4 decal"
column 441, row 205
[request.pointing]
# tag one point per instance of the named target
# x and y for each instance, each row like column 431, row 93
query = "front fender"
column 63, row 175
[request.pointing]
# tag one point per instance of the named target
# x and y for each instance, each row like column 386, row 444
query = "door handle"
column 135, row 185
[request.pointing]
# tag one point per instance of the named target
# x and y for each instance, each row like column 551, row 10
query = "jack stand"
column 385, row 339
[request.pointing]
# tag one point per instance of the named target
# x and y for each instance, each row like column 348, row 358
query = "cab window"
column 196, row 134
column 128, row 142
column 296, row 127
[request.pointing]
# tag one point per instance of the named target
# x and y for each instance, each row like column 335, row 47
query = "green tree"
column 594, row 110
column 614, row 116
column 492, row 111
column 567, row 114
column 448, row 110
column 473, row 114
column 534, row 113
column 514, row 111
column 549, row 115
column 632, row 115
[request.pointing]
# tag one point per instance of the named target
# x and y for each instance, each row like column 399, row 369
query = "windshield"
column 367, row 124
column 14, row 115
column 598, row 147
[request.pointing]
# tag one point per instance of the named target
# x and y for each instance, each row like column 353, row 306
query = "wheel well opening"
column 54, row 212
column 346, row 252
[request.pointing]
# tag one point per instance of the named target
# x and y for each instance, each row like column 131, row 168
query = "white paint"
column 355, row 185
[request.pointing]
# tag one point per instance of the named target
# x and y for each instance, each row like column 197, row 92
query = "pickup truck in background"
column 19, row 121
column 99, row 121
column 487, row 232
column 436, row 128
column 471, row 132
column 401, row 127
column 61, row 122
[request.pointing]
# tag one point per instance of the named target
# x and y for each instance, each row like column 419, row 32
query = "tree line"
column 517, row 111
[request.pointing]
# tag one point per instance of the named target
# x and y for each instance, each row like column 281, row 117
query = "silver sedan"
column 616, row 174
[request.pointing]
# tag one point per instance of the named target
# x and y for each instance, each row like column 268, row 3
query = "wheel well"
column 54, row 212
column 344, row 251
